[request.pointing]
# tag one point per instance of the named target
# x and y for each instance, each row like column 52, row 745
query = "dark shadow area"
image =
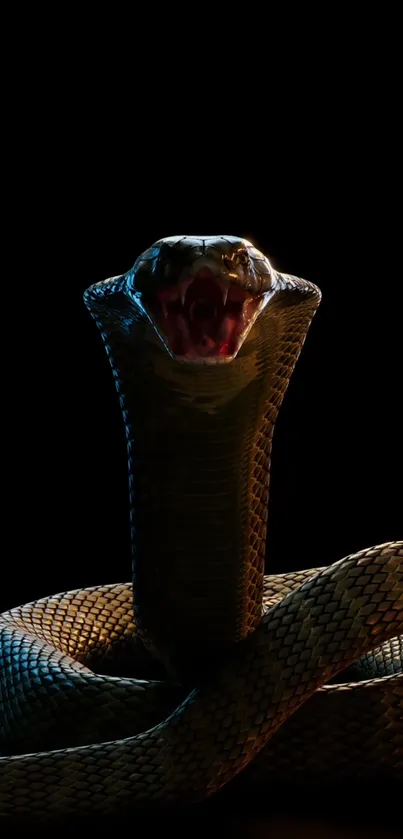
column 302, row 811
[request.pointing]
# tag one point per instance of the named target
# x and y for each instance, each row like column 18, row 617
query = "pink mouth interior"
column 203, row 317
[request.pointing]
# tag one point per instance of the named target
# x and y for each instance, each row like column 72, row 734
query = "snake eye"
column 242, row 258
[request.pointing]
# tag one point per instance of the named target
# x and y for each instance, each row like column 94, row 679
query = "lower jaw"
column 202, row 347
column 203, row 353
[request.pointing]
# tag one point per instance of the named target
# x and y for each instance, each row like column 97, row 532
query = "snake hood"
column 202, row 335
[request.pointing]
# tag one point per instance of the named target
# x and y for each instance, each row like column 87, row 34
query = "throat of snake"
column 199, row 444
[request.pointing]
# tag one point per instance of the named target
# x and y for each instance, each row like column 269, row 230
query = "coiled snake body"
column 165, row 689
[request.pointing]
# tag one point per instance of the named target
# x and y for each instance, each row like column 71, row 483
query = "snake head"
column 202, row 294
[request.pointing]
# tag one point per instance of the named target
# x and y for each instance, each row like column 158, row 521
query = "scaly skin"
column 79, row 734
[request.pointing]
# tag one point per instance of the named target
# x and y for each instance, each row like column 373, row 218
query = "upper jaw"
column 206, row 315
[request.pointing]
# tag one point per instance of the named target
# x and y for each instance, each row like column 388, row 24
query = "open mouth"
column 204, row 318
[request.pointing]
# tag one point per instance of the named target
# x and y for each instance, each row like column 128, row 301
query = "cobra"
column 203, row 668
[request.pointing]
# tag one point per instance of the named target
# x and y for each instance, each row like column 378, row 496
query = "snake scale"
column 163, row 690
